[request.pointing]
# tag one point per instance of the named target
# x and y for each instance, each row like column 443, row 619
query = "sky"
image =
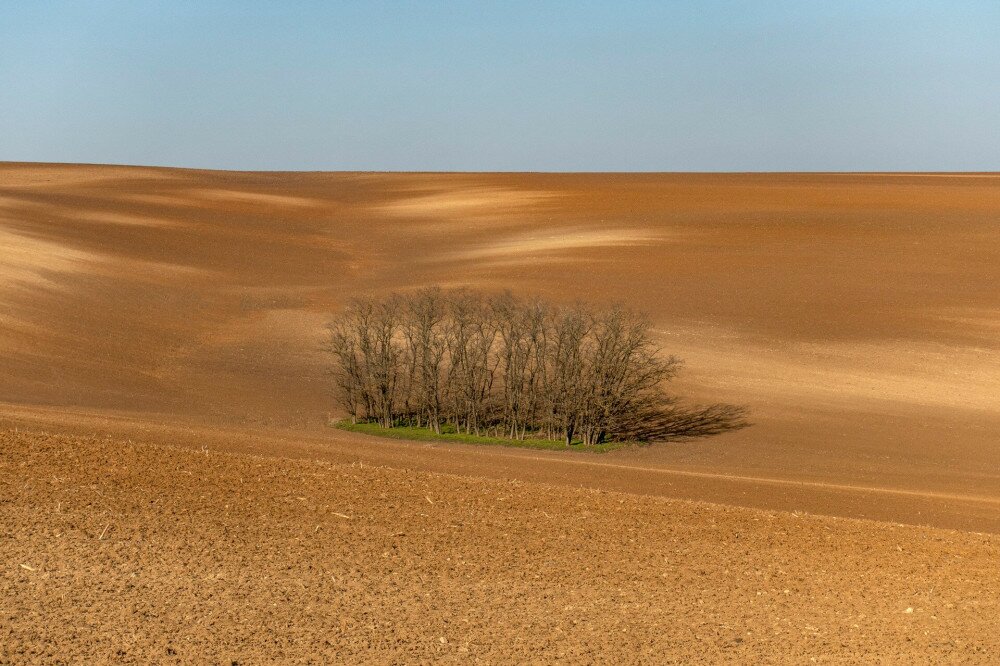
column 704, row 85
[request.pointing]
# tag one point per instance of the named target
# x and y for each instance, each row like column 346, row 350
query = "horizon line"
column 987, row 174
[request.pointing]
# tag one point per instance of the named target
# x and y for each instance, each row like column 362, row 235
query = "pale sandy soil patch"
column 25, row 260
column 108, row 217
column 918, row 373
column 905, row 373
column 554, row 241
column 468, row 204
column 197, row 197
column 984, row 320
column 242, row 196
column 17, row 203
column 160, row 199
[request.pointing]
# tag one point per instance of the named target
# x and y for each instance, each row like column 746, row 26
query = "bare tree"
column 565, row 388
column 423, row 321
column 623, row 373
column 520, row 328
column 347, row 367
column 364, row 340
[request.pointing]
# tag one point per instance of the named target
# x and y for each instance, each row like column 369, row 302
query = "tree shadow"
column 674, row 422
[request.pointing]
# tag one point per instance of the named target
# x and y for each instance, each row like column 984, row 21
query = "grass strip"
column 413, row 433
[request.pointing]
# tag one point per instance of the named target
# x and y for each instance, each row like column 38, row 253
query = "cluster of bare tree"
column 509, row 367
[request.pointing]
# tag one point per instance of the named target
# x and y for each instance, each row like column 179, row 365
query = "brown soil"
column 856, row 315
column 135, row 553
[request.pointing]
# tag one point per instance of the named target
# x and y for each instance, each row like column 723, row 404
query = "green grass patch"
column 427, row 435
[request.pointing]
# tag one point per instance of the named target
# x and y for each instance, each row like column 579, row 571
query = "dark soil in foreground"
column 126, row 552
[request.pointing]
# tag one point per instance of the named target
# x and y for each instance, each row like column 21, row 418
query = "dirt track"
column 630, row 472
column 138, row 554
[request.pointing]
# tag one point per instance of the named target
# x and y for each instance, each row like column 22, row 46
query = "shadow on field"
column 673, row 422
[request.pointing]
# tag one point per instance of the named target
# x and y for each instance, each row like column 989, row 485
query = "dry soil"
column 857, row 315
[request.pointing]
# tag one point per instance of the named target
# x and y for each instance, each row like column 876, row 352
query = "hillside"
column 856, row 315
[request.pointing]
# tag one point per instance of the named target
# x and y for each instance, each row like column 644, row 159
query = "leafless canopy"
column 511, row 367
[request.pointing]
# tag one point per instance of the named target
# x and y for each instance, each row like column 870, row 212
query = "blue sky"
column 524, row 86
